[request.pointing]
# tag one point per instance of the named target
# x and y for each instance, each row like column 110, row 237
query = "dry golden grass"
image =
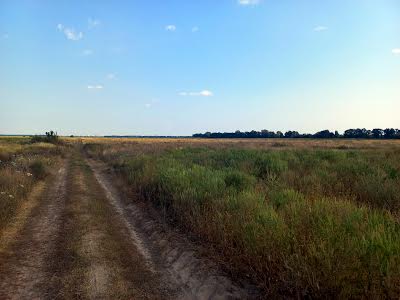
column 22, row 166
column 245, row 143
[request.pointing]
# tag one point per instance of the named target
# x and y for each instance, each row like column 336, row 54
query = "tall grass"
column 320, row 223
column 21, row 166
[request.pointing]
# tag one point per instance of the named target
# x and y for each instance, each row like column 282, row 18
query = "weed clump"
column 38, row 169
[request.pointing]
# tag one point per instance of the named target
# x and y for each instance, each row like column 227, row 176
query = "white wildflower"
column 21, row 185
column 3, row 193
column 29, row 174
column 11, row 196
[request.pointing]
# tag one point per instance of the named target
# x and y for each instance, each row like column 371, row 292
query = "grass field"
column 296, row 217
column 22, row 165
column 303, row 218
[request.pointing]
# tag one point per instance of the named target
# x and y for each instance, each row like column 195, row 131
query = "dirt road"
column 80, row 238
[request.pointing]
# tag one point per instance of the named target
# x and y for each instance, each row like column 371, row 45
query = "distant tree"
column 358, row 133
column 324, row 134
column 377, row 133
column 390, row 133
column 292, row 134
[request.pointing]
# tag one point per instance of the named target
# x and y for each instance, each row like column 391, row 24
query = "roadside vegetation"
column 298, row 222
column 22, row 165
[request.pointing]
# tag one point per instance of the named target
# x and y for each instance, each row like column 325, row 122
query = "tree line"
column 377, row 133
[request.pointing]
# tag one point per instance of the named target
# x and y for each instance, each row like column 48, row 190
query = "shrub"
column 50, row 137
column 269, row 164
column 281, row 198
column 239, row 180
column 38, row 169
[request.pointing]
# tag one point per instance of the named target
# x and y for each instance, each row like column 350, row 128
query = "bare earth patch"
column 23, row 268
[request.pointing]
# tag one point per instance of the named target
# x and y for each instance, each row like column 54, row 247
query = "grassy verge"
column 299, row 222
column 22, row 165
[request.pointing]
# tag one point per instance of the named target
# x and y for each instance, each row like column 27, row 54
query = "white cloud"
column 95, row 87
column 87, row 52
column 170, row 27
column 204, row 93
column 70, row 33
column 320, row 28
column 249, row 2
column 148, row 105
column 396, row 51
column 92, row 23
column 195, row 29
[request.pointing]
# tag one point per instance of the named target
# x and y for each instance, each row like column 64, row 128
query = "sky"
column 178, row 67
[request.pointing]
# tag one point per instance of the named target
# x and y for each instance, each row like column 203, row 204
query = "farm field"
column 298, row 217
column 205, row 150
column 241, row 218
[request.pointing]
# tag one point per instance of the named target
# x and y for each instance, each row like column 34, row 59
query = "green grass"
column 298, row 222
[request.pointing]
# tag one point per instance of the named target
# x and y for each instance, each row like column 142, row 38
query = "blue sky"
column 180, row 67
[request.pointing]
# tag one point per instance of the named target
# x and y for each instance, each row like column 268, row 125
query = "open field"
column 187, row 218
column 299, row 217
column 245, row 143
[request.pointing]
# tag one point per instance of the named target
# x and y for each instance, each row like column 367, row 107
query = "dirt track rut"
column 23, row 273
column 84, row 240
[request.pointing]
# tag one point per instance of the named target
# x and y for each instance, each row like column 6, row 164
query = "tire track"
column 23, row 272
column 170, row 253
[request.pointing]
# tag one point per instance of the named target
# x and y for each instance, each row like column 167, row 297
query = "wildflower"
column 29, row 174
column 11, row 196
column 21, row 185
column 3, row 193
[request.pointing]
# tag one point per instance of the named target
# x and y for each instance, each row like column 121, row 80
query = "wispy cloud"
column 170, row 27
column 92, row 23
column 87, row 52
column 204, row 93
column 396, row 51
column 5, row 36
column 249, row 2
column 111, row 76
column 195, row 29
column 151, row 103
column 95, row 87
column 70, row 33
column 320, row 28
